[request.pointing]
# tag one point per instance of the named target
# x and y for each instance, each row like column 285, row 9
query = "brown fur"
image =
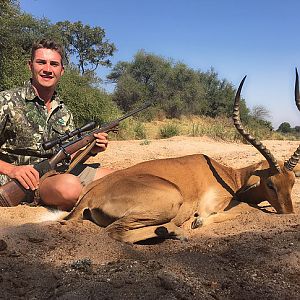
column 154, row 198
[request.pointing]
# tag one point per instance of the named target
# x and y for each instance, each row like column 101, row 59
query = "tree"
column 85, row 99
column 118, row 70
column 87, row 44
column 297, row 129
column 259, row 112
column 219, row 94
column 175, row 88
column 284, row 127
column 15, row 48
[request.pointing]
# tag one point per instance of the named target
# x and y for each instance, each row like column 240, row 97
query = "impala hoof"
column 198, row 222
column 182, row 238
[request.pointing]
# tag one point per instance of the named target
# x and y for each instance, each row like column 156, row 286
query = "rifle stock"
column 12, row 193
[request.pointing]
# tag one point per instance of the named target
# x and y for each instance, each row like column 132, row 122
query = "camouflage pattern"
column 25, row 124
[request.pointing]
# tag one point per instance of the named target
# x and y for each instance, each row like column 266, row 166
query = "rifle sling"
column 81, row 156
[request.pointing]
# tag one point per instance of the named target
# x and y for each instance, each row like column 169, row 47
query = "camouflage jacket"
column 25, row 124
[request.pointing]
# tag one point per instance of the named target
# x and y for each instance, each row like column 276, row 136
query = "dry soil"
column 255, row 255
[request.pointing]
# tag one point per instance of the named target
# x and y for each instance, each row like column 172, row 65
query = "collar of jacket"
column 30, row 94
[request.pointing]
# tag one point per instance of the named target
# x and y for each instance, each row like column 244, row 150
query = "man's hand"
column 26, row 175
column 101, row 143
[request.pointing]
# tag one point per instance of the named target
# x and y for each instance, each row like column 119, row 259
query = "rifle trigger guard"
column 68, row 156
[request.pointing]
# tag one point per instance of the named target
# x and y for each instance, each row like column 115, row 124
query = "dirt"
column 255, row 255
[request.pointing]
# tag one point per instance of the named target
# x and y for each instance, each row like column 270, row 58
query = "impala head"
column 276, row 188
column 272, row 180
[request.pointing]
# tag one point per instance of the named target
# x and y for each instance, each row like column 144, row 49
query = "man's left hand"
column 101, row 143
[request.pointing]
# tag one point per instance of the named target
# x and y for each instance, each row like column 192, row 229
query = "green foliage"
column 145, row 142
column 285, row 127
column 130, row 93
column 87, row 44
column 139, row 130
column 297, row 129
column 174, row 88
column 86, row 101
column 131, row 128
column 15, row 48
column 12, row 53
column 289, row 132
column 216, row 94
column 259, row 129
column 169, row 130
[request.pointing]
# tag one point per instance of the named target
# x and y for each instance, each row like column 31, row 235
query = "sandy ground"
column 255, row 255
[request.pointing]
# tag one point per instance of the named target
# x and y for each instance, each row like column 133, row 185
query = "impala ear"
column 251, row 183
column 254, row 179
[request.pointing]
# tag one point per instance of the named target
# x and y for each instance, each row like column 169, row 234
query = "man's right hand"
column 27, row 175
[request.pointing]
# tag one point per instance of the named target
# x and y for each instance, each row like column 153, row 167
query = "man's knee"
column 101, row 172
column 61, row 190
column 68, row 186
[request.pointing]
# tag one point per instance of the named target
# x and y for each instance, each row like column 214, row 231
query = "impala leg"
column 210, row 211
column 122, row 231
column 185, row 212
column 77, row 212
column 151, row 220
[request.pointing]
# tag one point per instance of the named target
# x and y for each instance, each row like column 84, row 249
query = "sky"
column 257, row 38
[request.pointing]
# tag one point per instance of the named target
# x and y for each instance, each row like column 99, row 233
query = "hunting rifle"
column 13, row 193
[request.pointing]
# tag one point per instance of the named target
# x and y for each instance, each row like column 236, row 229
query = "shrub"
column 87, row 101
column 169, row 130
column 139, row 130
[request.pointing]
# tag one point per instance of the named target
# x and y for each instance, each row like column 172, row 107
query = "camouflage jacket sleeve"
column 4, row 117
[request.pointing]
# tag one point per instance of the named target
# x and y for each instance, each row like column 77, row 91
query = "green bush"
column 140, row 132
column 130, row 129
column 85, row 99
column 169, row 130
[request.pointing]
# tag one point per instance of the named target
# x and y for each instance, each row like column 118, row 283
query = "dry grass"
column 219, row 128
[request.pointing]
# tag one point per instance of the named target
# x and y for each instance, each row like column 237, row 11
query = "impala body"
column 154, row 198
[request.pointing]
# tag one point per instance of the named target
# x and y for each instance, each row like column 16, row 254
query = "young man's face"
column 46, row 68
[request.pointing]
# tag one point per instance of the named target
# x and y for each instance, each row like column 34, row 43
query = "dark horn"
column 292, row 162
column 297, row 97
column 257, row 144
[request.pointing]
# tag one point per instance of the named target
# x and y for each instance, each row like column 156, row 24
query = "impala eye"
column 270, row 185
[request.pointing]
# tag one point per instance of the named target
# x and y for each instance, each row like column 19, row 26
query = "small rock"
column 14, row 254
column 84, row 265
column 35, row 239
column 3, row 245
column 167, row 281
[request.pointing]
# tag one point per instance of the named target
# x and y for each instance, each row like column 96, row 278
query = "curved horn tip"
column 242, row 82
column 238, row 92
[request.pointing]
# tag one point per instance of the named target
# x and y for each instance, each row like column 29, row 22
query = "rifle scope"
column 49, row 144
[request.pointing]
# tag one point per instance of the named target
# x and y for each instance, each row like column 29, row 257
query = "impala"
column 154, row 198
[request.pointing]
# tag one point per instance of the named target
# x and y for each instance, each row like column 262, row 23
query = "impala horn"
column 292, row 162
column 257, row 144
